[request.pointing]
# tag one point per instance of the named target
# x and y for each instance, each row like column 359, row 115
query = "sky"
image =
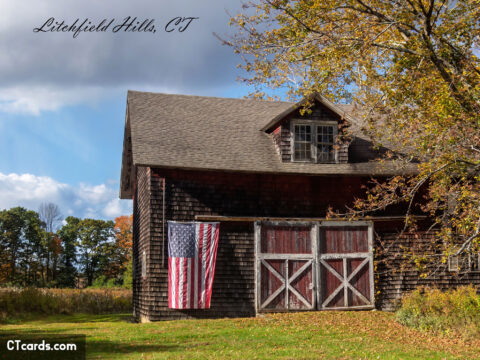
column 63, row 95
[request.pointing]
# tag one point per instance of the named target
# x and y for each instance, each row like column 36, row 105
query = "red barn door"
column 285, row 267
column 303, row 266
column 345, row 267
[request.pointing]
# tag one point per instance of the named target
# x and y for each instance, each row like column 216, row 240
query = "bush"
column 455, row 312
column 127, row 275
column 14, row 302
column 102, row 282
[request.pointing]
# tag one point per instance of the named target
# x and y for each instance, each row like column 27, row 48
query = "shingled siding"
column 394, row 277
column 190, row 193
column 141, row 243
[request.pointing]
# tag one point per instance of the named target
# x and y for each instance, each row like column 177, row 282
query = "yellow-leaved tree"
column 411, row 66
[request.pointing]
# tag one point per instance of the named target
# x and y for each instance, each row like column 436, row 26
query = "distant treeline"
column 41, row 249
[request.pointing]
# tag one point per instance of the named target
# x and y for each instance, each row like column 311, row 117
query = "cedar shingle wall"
column 141, row 241
column 394, row 276
column 190, row 193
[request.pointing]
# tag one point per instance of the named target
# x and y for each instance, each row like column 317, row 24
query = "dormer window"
column 313, row 141
column 303, row 142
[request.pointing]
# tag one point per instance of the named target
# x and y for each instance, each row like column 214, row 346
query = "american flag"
column 192, row 250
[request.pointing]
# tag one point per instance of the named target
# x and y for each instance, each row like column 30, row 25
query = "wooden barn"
column 268, row 175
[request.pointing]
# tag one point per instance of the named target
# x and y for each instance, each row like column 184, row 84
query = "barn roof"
column 209, row 133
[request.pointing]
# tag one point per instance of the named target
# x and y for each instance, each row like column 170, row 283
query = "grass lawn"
column 313, row 335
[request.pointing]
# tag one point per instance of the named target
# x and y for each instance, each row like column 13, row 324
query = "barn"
column 268, row 173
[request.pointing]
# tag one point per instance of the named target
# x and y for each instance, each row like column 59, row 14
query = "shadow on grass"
column 97, row 345
column 91, row 346
column 107, row 347
column 69, row 319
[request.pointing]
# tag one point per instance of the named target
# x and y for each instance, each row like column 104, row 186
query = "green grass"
column 315, row 335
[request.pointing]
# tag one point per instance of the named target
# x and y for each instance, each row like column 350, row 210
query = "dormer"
column 313, row 134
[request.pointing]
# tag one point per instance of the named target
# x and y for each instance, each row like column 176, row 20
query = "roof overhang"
column 314, row 97
column 127, row 176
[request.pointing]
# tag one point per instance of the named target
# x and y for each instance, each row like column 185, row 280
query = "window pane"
column 325, row 134
column 297, row 132
column 302, row 151
column 325, row 153
column 308, row 151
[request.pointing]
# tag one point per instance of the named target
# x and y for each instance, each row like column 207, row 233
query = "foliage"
column 21, row 250
column 123, row 247
column 63, row 301
column 451, row 312
column 68, row 256
column 102, row 282
column 128, row 275
column 33, row 254
column 312, row 335
column 411, row 67
column 95, row 247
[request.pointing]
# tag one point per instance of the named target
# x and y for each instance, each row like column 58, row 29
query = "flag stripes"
column 191, row 264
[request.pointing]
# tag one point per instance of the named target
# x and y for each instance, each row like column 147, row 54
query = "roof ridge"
column 206, row 97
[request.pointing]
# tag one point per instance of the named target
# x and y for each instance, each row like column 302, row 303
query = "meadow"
column 313, row 335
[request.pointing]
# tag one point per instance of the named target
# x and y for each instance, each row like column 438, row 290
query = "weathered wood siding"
column 142, row 241
column 393, row 278
column 190, row 193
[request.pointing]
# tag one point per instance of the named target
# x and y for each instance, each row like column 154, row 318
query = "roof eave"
column 316, row 96
column 126, row 174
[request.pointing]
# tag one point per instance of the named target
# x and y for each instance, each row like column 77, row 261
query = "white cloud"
column 113, row 208
column 34, row 99
column 45, row 71
column 94, row 201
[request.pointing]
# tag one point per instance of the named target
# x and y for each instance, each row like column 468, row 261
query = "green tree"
column 411, row 66
column 20, row 246
column 68, row 234
column 95, row 239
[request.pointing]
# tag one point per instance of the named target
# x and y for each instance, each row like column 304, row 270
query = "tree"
column 411, row 66
column 68, row 255
column 123, row 247
column 50, row 215
column 128, row 275
column 94, row 244
column 20, row 246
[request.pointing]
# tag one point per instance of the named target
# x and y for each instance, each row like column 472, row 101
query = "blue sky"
column 62, row 99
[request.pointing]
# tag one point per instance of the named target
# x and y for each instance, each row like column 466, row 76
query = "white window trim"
column 314, row 124
column 454, row 263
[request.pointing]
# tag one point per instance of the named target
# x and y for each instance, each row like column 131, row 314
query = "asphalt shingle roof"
column 195, row 132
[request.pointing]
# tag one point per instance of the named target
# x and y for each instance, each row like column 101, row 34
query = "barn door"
column 345, row 266
column 285, row 267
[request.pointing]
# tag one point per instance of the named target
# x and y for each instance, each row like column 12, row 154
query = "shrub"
column 14, row 302
column 102, row 282
column 449, row 312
